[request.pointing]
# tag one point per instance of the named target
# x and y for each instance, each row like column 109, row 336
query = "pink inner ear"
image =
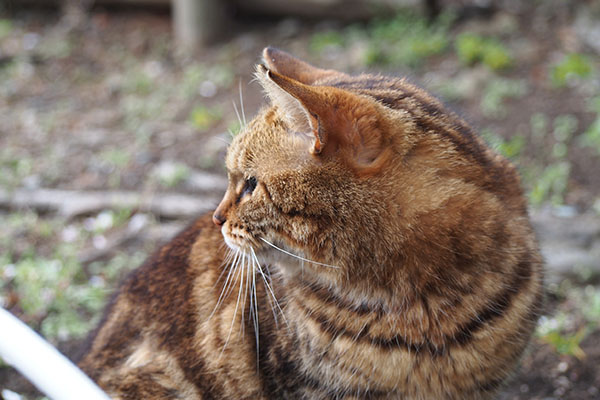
column 340, row 121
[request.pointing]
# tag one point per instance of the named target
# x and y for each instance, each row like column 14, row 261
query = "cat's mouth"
column 237, row 237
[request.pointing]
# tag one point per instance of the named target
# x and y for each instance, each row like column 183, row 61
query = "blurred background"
column 115, row 116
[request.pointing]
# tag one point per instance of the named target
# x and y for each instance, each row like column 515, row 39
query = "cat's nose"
column 218, row 218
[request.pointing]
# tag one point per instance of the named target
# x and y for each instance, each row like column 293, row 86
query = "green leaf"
column 573, row 66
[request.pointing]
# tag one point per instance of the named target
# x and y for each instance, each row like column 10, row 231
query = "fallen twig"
column 72, row 203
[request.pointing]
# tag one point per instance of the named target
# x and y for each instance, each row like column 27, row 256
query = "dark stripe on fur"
column 495, row 308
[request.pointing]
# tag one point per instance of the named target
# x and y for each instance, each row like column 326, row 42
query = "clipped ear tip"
column 268, row 53
column 271, row 55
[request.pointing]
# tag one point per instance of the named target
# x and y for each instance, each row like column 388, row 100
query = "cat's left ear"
column 339, row 121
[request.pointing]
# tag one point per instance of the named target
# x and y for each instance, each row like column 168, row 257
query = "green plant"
column 550, row 184
column 56, row 46
column 137, row 81
column 564, row 128
column 171, row 174
column 53, row 293
column 568, row 344
column 203, row 118
column 115, row 157
column 565, row 330
column 322, row 41
column 573, row 66
column 14, row 167
column 497, row 91
column 472, row 49
column 234, row 127
column 553, row 331
column 589, row 304
column 5, row 28
column 407, row 39
column 510, row 148
column 591, row 136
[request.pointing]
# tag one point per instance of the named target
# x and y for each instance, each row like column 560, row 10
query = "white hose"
column 50, row 371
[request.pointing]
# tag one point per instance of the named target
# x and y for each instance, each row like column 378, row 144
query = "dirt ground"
column 110, row 105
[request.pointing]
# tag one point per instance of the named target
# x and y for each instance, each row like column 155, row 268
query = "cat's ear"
column 288, row 65
column 339, row 121
column 294, row 112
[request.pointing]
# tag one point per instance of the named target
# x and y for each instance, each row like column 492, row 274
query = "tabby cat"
column 369, row 246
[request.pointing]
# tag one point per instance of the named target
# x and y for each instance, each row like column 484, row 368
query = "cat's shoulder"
column 197, row 248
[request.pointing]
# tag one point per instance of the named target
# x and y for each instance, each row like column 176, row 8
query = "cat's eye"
column 249, row 186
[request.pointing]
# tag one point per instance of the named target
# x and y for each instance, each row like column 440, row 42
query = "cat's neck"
column 341, row 292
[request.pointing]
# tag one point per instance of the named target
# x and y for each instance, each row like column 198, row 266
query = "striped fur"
column 420, row 276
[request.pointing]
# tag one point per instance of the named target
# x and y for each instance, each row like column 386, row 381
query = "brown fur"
column 425, row 281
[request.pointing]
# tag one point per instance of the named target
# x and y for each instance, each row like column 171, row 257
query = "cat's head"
column 305, row 174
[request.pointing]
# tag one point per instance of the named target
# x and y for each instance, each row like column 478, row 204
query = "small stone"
column 99, row 242
column 563, row 366
column 30, row 40
column 208, row 89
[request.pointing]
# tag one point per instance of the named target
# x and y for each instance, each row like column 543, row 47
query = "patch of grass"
column 170, row 174
column 54, row 46
column 47, row 285
column 539, row 125
column 566, row 344
column 407, row 39
column 564, row 128
column 138, row 82
column 106, row 220
column 472, row 49
column 113, row 270
column 550, row 184
column 203, row 118
column 510, row 148
column 6, row 28
column 234, row 127
column 588, row 302
column 140, row 111
column 14, row 167
column 567, row 328
column 591, row 136
column 572, row 67
column 115, row 157
column 197, row 75
column 497, row 92
column 53, row 293
column 325, row 41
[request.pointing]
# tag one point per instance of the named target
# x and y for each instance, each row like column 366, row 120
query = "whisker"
column 234, row 264
column 270, row 290
column 296, row 256
column 256, row 332
column 271, row 303
column 222, row 295
column 242, row 103
column 225, row 264
column 246, row 266
column 237, row 113
column 227, row 142
column 237, row 304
